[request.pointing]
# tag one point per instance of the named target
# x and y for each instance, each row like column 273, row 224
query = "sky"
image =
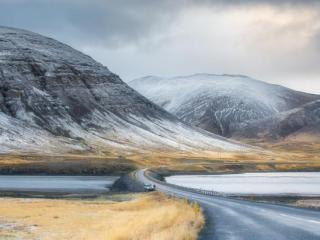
column 277, row 41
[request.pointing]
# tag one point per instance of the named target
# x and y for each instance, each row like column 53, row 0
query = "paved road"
column 245, row 220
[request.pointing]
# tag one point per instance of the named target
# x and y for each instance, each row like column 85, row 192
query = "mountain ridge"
column 296, row 121
column 62, row 100
column 219, row 103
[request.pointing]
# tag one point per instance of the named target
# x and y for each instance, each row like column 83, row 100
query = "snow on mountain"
column 219, row 103
column 301, row 120
column 54, row 98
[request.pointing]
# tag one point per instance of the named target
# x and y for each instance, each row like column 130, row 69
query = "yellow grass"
column 285, row 154
column 308, row 203
column 151, row 216
column 278, row 157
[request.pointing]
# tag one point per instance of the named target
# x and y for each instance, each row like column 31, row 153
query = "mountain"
column 54, row 98
column 221, row 104
column 296, row 123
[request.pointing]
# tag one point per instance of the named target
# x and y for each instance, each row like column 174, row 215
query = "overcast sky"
column 272, row 40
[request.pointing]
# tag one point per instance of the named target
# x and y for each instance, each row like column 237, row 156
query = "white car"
column 149, row 187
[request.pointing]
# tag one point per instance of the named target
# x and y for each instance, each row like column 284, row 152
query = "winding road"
column 245, row 220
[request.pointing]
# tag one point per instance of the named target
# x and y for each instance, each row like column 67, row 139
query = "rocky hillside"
column 221, row 104
column 304, row 120
column 54, row 98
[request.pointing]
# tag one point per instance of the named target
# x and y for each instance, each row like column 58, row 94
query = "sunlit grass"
column 271, row 156
column 150, row 216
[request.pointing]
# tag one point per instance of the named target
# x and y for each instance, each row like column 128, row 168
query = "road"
column 245, row 220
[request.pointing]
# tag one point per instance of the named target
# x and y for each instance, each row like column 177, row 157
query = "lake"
column 279, row 183
column 63, row 184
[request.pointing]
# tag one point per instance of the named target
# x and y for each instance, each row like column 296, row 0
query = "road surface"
column 245, row 220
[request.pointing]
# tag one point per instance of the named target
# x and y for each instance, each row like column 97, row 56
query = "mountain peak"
column 55, row 98
column 219, row 103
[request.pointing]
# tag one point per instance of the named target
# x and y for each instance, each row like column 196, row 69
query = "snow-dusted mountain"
column 219, row 103
column 56, row 99
column 303, row 120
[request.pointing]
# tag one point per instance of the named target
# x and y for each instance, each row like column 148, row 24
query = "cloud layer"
column 272, row 40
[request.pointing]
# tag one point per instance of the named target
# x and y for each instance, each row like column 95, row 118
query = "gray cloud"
column 273, row 2
column 111, row 22
column 276, row 40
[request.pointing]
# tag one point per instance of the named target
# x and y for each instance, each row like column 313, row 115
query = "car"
column 149, row 187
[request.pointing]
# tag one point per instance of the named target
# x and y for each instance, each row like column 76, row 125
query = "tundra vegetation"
column 142, row 216
column 276, row 157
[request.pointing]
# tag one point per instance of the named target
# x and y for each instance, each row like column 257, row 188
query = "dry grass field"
column 301, row 153
column 146, row 216
column 284, row 156
column 308, row 203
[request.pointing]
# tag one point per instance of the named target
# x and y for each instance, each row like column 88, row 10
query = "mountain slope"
column 219, row 103
column 54, row 98
column 304, row 120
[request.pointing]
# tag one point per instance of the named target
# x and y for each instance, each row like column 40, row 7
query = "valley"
column 69, row 125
